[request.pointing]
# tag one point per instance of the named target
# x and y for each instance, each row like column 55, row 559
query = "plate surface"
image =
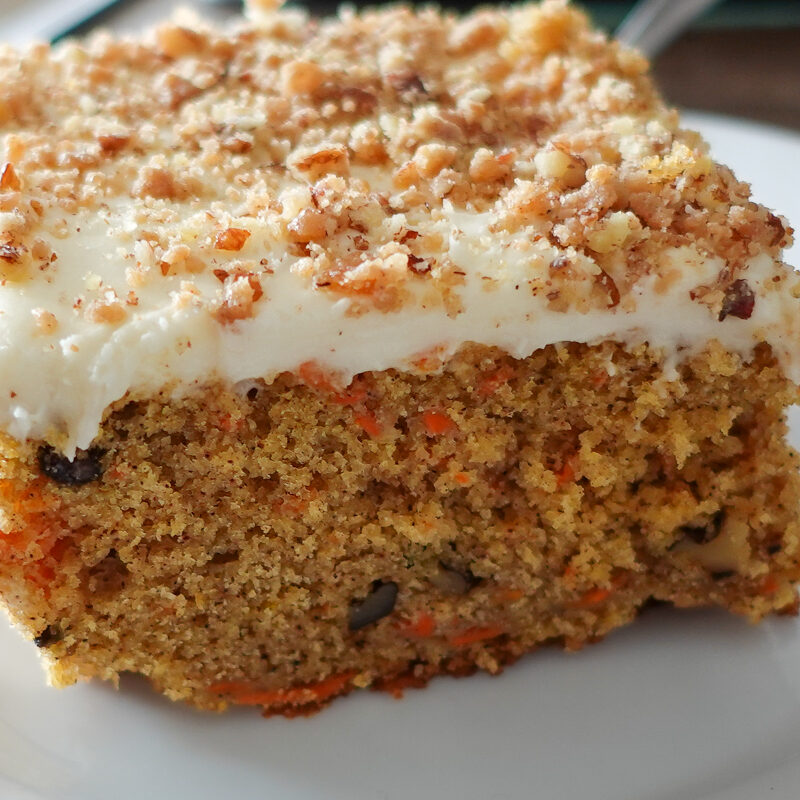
column 679, row 706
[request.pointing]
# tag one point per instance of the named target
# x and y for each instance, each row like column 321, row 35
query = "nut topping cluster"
column 341, row 146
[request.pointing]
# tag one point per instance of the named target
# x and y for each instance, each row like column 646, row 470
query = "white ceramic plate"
column 679, row 706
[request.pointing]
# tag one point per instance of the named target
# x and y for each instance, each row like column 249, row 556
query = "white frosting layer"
column 62, row 382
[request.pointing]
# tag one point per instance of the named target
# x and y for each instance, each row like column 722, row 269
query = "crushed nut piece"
column 231, row 239
column 46, row 322
column 316, row 162
column 739, row 301
column 108, row 311
column 9, row 180
column 301, row 77
column 308, row 226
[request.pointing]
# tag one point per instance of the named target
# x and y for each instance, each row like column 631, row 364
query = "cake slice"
column 342, row 353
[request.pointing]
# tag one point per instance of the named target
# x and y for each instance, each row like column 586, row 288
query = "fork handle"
column 652, row 24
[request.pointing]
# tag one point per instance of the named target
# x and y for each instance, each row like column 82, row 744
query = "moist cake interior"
column 307, row 535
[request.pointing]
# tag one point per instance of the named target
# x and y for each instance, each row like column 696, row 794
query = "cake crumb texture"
column 280, row 544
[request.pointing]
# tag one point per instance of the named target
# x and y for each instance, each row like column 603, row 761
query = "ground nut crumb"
column 180, row 258
column 486, row 167
column 311, row 225
column 231, row 239
column 108, row 311
column 611, row 234
column 9, row 180
column 113, row 143
column 431, row 159
column 160, row 184
column 46, row 322
column 237, row 300
column 313, row 163
column 301, row 77
column 176, row 41
column 558, row 165
column 480, row 31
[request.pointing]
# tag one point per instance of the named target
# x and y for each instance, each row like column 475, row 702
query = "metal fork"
column 652, row 24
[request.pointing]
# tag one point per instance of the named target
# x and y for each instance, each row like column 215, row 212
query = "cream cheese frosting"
column 63, row 380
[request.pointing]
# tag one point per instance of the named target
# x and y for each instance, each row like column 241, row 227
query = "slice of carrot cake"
column 342, row 353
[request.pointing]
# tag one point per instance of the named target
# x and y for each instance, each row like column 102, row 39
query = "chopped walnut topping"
column 176, row 41
column 431, row 159
column 175, row 90
column 46, row 322
column 367, row 144
column 483, row 30
column 333, row 141
column 159, row 183
column 238, row 298
column 407, row 84
column 311, row 225
column 557, row 165
column 486, row 167
column 40, row 251
column 313, row 163
column 180, row 258
column 9, row 181
column 301, row 77
column 739, row 301
column 109, row 311
column 231, row 239
column 12, row 254
column 113, row 143
column 611, row 233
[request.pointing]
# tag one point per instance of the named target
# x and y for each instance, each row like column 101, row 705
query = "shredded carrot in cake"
column 246, row 694
column 475, row 635
column 438, row 423
column 769, row 585
column 593, row 597
column 369, row 422
column 492, row 382
column 421, row 627
column 566, row 474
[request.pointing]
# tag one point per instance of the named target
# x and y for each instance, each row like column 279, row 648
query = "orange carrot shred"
column 353, row 397
column 600, row 378
column 462, row 478
column 315, row 377
column 566, row 474
column 369, row 422
column 437, row 423
column 476, row 634
column 769, row 585
column 422, row 627
column 492, row 382
column 510, row 595
column 226, row 423
column 593, row 597
column 245, row 694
